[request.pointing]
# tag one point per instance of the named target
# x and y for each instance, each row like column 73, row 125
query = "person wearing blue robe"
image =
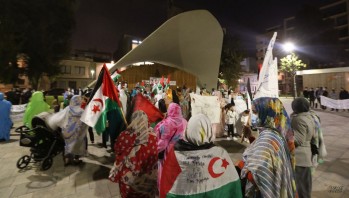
column 5, row 120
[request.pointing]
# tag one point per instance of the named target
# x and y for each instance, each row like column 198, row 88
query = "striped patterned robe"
column 269, row 161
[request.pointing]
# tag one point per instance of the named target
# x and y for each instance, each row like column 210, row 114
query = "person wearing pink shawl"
column 168, row 132
column 218, row 128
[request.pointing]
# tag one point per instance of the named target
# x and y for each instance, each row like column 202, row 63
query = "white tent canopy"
column 191, row 41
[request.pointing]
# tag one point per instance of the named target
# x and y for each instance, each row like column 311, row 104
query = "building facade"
column 336, row 10
column 332, row 78
column 76, row 72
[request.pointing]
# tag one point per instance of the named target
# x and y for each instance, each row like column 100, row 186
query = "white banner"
column 155, row 80
column 18, row 108
column 208, row 105
column 17, row 112
column 335, row 104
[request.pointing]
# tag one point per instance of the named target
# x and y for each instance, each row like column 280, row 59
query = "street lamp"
column 92, row 73
column 289, row 47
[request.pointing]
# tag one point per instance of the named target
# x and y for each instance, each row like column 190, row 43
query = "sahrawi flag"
column 104, row 99
column 199, row 173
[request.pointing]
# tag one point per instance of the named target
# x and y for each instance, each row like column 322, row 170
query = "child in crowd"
column 246, row 127
column 231, row 118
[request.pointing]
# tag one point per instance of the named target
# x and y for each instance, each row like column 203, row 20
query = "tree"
column 39, row 29
column 291, row 64
column 231, row 57
column 316, row 38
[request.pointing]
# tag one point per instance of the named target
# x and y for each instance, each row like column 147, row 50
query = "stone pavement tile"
column 324, row 188
column 340, row 167
column 30, row 195
column 113, row 189
column 89, row 193
column 6, row 191
column 334, row 153
column 334, row 178
column 339, row 144
column 319, row 171
column 101, row 187
column 22, row 179
column 346, row 193
column 98, row 183
column 7, row 181
column 58, row 191
column 20, row 190
column 81, row 184
column 36, row 187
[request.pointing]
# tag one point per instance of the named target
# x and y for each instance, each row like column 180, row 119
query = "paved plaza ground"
column 331, row 179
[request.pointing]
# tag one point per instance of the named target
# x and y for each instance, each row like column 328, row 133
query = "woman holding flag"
column 168, row 132
column 135, row 167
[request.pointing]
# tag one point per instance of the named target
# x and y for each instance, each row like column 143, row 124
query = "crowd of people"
column 314, row 96
column 177, row 157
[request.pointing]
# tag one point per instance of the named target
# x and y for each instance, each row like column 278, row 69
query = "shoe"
column 228, row 138
column 101, row 145
column 92, row 142
column 235, row 138
column 110, row 151
column 77, row 161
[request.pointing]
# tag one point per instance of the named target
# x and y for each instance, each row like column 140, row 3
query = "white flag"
column 268, row 77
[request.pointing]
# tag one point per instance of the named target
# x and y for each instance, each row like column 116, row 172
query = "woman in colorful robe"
column 168, row 132
column 73, row 130
column 195, row 167
column 5, row 120
column 268, row 162
column 35, row 106
column 135, row 167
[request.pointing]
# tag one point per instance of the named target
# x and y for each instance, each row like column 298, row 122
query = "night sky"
column 100, row 24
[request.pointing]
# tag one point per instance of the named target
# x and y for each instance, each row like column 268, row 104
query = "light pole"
column 289, row 47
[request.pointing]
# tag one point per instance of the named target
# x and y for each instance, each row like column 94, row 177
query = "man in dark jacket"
column 343, row 94
column 311, row 97
column 306, row 93
column 324, row 93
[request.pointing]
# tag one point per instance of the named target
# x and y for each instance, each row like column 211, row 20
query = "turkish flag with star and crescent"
column 104, row 98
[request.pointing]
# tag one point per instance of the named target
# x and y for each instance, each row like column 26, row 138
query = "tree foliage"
column 316, row 38
column 291, row 64
column 231, row 58
column 41, row 30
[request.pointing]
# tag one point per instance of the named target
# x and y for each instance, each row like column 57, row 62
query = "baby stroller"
column 44, row 143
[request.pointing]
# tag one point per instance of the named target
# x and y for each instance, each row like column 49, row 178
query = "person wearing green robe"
column 35, row 106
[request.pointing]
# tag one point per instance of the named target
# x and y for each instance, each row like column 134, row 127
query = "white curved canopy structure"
column 191, row 41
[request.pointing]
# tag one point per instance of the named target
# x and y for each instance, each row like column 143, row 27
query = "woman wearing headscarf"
column 195, row 167
column 135, row 167
column 304, row 127
column 185, row 103
column 35, row 106
column 268, row 161
column 168, row 132
column 5, row 120
column 73, row 130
